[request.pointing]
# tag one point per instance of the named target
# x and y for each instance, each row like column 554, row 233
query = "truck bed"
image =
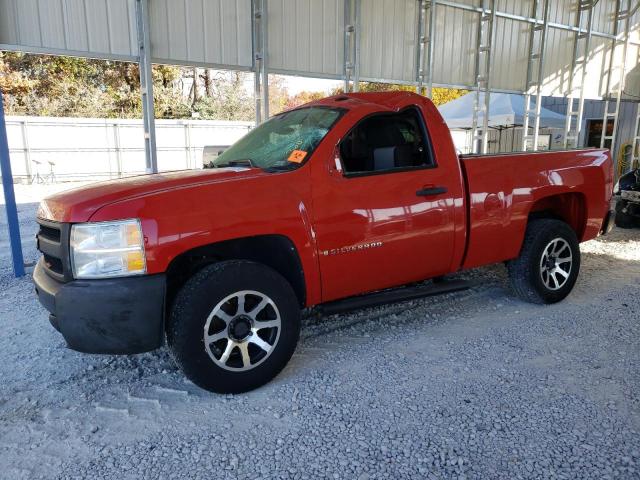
column 503, row 190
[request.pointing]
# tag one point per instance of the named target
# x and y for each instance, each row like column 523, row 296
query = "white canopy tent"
column 505, row 111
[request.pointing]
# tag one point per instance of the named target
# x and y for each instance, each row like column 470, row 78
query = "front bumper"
column 115, row 316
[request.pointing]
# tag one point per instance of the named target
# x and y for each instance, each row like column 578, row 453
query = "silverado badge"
column 351, row 248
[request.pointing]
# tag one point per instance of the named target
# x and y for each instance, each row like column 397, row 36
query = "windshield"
column 285, row 141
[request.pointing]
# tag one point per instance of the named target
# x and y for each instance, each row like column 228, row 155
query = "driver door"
column 383, row 214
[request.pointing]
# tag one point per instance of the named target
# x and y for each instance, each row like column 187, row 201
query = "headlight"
column 107, row 249
column 616, row 188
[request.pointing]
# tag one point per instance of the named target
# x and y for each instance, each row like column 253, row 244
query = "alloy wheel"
column 242, row 330
column 556, row 263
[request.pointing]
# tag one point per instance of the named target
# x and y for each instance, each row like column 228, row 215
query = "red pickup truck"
column 336, row 204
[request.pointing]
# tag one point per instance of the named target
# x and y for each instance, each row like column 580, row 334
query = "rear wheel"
column 234, row 326
column 549, row 262
column 623, row 219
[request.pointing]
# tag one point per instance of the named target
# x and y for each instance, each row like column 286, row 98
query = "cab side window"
column 386, row 143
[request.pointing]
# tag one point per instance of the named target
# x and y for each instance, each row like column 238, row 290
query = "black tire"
column 624, row 220
column 525, row 272
column 196, row 301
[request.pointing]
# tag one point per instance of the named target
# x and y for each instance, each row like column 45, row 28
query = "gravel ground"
column 469, row 385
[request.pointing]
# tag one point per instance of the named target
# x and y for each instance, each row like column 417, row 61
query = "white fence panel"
column 86, row 148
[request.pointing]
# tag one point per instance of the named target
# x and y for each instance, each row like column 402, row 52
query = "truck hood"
column 78, row 205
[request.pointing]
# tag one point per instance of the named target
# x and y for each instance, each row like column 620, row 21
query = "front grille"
column 53, row 264
column 53, row 242
column 50, row 233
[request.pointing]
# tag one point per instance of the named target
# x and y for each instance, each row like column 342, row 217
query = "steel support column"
column 146, row 85
column 116, row 143
column 10, row 198
column 621, row 39
column 535, row 76
column 356, row 48
column 187, row 144
column 482, row 73
column 259, row 45
column 351, row 45
column 635, row 146
column 581, row 51
column 424, row 55
column 27, row 149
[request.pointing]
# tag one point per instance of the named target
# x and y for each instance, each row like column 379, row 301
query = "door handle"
column 429, row 191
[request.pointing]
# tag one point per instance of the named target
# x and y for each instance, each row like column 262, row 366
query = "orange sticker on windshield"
column 297, row 156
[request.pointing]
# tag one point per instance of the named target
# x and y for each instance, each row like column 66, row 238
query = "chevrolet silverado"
column 344, row 202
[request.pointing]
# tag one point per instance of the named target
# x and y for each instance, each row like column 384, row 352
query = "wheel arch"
column 273, row 250
column 526, row 271
column 570, row 207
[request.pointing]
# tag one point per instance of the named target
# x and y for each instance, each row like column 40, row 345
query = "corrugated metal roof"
column 307, row 37
column 101, row 28
column 388, row 39
column 521, row 8
column 214, row 32
column 510, row 65
column 454, row 47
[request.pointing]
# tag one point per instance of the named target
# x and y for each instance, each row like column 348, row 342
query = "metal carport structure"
column 583, row 49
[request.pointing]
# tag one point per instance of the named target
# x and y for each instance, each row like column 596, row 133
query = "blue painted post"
column 10, row 197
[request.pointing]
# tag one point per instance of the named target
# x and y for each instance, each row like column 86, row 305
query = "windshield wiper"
column 243, row 162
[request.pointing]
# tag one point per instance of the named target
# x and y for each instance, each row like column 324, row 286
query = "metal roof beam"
column 259, row 47
column 579, row 68
column 621, row 40
column 351, row 45
column 535, row 76
column 146, row 85
column 426, row 26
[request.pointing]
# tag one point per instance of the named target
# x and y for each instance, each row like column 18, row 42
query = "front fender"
column 179, row 220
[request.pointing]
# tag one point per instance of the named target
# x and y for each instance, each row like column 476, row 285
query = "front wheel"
column 234, row 326
column 549, row 262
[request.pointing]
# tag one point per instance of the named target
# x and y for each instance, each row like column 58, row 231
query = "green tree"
column 43, row 85
column 303, row 97
column 441, row 96
column 228, row 98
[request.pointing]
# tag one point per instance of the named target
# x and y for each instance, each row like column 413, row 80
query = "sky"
column 296, row 85
column 299, row 84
